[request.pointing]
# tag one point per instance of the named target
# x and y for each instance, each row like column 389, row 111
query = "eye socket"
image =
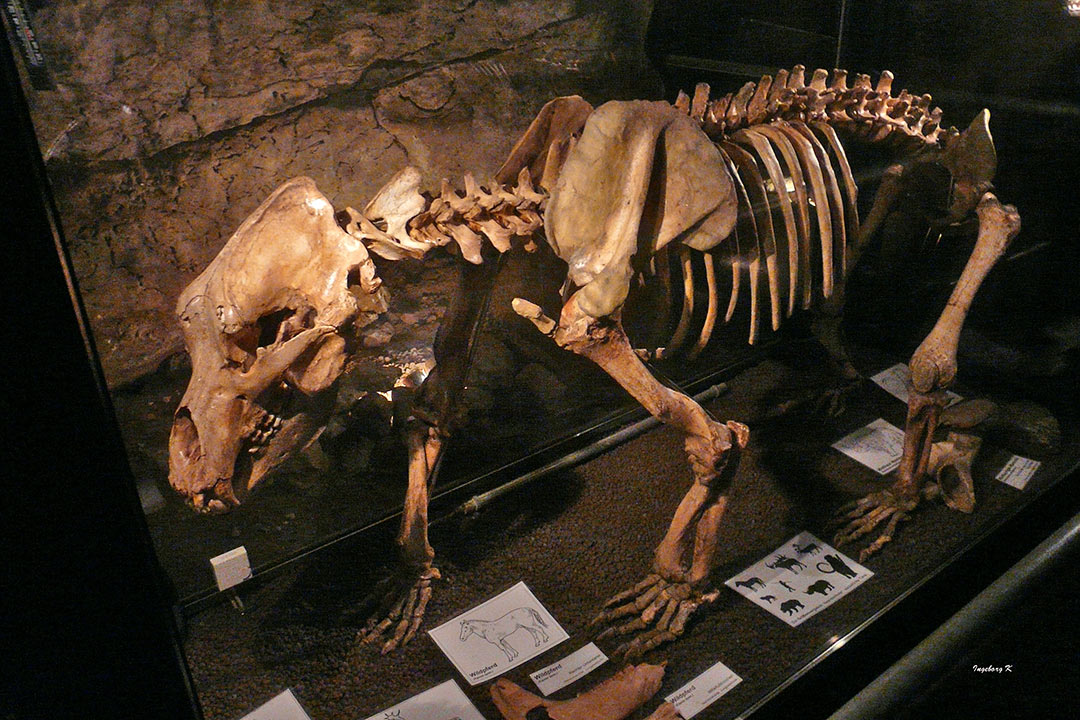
column 269, row 329
column 274, row 326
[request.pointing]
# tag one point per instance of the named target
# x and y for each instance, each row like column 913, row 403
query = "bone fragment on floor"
column 613, row 699
column 950, row 464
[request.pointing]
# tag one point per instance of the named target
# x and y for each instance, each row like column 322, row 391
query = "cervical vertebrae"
column 412, row 223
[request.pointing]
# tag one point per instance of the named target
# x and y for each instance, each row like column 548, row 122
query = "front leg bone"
column 658, row 609
column 403, row 599
column 933, row 369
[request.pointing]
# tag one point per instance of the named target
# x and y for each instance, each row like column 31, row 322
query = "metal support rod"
column 578, row 456
column 923, row 664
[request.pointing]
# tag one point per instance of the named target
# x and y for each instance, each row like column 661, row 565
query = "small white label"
column 231, row 568
column 879, row 446
column 894, row 380
column 498, row 634
column 704, row 690
column 1018, row 471
column 442, row 702
column 799, row 579
column 574, row 666
column 283, row 707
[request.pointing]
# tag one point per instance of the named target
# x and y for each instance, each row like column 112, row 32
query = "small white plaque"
column 498, row 634
column 894, row 380
column 799, row 579
column 1018, row 471
column 704, row 690
column 574, row 666
column 231, row 568
column 442, row 702
column 283, row 707
column 879, row 446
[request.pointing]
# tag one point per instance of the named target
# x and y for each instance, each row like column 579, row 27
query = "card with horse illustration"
column 498, row 634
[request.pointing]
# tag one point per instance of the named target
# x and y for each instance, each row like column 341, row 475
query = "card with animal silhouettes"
column 799, row 579
column 498, row 634
column 442, row 702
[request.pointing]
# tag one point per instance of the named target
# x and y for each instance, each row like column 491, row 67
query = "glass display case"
column 152, row 138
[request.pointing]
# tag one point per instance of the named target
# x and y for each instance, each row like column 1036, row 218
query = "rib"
column 810, row 165
column 763, row 214
column 736, row 274
column 776, row 176
column 710, row 315
column 683, row 328
column 748, row 247
column 851, row 190
column 802, row 205
column 836, row 205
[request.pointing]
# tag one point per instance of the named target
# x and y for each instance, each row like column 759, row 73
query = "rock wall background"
column 171, row 121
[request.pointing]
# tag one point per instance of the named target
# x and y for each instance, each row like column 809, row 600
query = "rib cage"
column 796, row 193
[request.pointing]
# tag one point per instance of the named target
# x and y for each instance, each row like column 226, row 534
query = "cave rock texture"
column 171, row 121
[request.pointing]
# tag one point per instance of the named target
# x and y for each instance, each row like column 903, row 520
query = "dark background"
column 88, row 625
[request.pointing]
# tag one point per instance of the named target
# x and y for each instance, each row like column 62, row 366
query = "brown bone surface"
column 615, row 189
column 271, row 317
column 612, row 699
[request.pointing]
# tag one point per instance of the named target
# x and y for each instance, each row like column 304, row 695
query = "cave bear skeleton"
column 758, row 179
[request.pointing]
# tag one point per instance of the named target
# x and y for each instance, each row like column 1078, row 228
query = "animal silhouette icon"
column 807, row 549
column 767, row 598
column 750, row 583
column 783, row 561
column 496, row 631
column 786, row 586
column 821, row 587
column 791, row 606
column 834, row 564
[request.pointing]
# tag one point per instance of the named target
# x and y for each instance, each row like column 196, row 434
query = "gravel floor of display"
column 579, row 536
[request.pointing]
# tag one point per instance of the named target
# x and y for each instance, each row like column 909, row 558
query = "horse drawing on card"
column 496, row 631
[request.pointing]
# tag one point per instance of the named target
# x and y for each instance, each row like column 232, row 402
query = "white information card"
column 704, row 690
column 284, row 706
column 1017, row 471
column 799, row 579
column 879, row 446
column 442, row 702
column 498, row 634
column 574, row 666
column 894, row 380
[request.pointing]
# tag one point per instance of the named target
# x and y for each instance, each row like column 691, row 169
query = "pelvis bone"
column 267, row 326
